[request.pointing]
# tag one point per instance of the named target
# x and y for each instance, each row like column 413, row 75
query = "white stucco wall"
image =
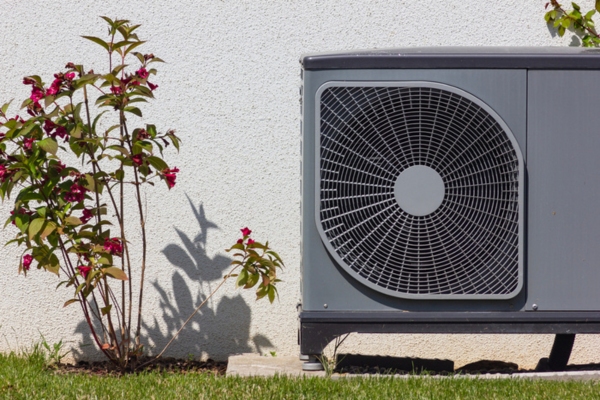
column 230, row 89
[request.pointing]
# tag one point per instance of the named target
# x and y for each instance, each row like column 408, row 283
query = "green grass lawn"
column 26, row 377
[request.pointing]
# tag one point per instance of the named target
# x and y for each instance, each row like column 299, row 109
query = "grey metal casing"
column 323, row 281
column 563, row 136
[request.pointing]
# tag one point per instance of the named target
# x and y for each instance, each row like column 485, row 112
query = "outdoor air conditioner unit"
column 451, row 190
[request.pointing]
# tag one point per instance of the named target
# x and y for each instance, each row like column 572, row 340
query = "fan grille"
column 469, row 245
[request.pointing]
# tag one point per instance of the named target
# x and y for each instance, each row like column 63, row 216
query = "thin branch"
column 189, row 319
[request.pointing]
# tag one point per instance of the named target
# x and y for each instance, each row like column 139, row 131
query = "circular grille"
column 463, row 242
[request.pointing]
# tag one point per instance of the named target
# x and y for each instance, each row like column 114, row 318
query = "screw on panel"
column 534, row 307
column 325, row 305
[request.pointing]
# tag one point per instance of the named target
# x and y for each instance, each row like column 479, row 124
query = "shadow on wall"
column 217, row 330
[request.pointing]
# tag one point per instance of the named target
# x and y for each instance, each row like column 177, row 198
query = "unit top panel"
column 458, row 57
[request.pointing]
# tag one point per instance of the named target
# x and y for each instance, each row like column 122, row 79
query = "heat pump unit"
column 450, row 190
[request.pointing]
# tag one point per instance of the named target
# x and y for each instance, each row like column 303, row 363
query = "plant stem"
column 144, row 241
column 106, row 298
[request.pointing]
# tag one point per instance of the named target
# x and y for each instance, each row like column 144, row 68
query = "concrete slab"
column 257, row 365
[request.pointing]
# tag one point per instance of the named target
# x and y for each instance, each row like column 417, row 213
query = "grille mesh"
column 470, row 244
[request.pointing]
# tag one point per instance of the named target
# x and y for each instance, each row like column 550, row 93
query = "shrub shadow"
column 219, row 329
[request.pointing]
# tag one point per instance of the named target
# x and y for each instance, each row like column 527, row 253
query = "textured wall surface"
column 230, row 89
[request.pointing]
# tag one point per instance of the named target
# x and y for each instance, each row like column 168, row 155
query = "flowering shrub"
column 60, row 207
column 258, row 263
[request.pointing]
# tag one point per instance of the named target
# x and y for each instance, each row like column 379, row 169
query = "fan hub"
column 419, row 190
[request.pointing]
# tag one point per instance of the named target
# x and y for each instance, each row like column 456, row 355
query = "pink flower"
column 76, row 193
column 55, row 87
column 84, row 270
column 169, row 174
column 113, row 246
column 27, row 259
column 4, row 173
column 116, row 89
column 152, row 86
column 28, row 143
column 36, row 94
column 61, row 132
column 240, row 241
column 142, row 134
column 29, row 81
column 49, row 126
column 87, row 215
column 138, row 160
column 250, row 241
column 70, row 75
column 142, row 73
column 59, row 167
column 246, row 231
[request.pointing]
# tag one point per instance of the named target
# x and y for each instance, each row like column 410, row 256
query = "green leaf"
column 115, row 272
column 134, row 45
column 71, row 301
column 106, row 310
column 561, row 31
column 98, row 41
column 5, row 107
column 48, row 229
column 597, row 5
column 71, row 220
column 252, row 281
column 151, row 129
column 575, row 6
column 271, row 293
column 48, row 145
column 238, row 246
column 261, row 292
column 242, row 278
column 76, row 131
column 175, row 141
column 28, row 127
column 104, row 261
column 120, row 149
column 139, row 56
column 35, row 227
column 157, row 163
column 90, row 183
column 133, row 110
column 108, row 20
column 53, row 266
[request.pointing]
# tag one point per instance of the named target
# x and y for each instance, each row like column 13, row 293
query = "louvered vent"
column 419, row 190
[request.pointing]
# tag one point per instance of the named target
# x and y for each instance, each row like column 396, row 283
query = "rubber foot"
column 312, row 366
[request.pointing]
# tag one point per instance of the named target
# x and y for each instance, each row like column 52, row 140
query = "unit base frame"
column 317, row 329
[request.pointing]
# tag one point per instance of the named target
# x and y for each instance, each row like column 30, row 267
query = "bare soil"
column 166, row 364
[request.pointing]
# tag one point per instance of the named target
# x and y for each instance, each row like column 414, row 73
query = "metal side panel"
column 563, row 158
column 325, row 285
